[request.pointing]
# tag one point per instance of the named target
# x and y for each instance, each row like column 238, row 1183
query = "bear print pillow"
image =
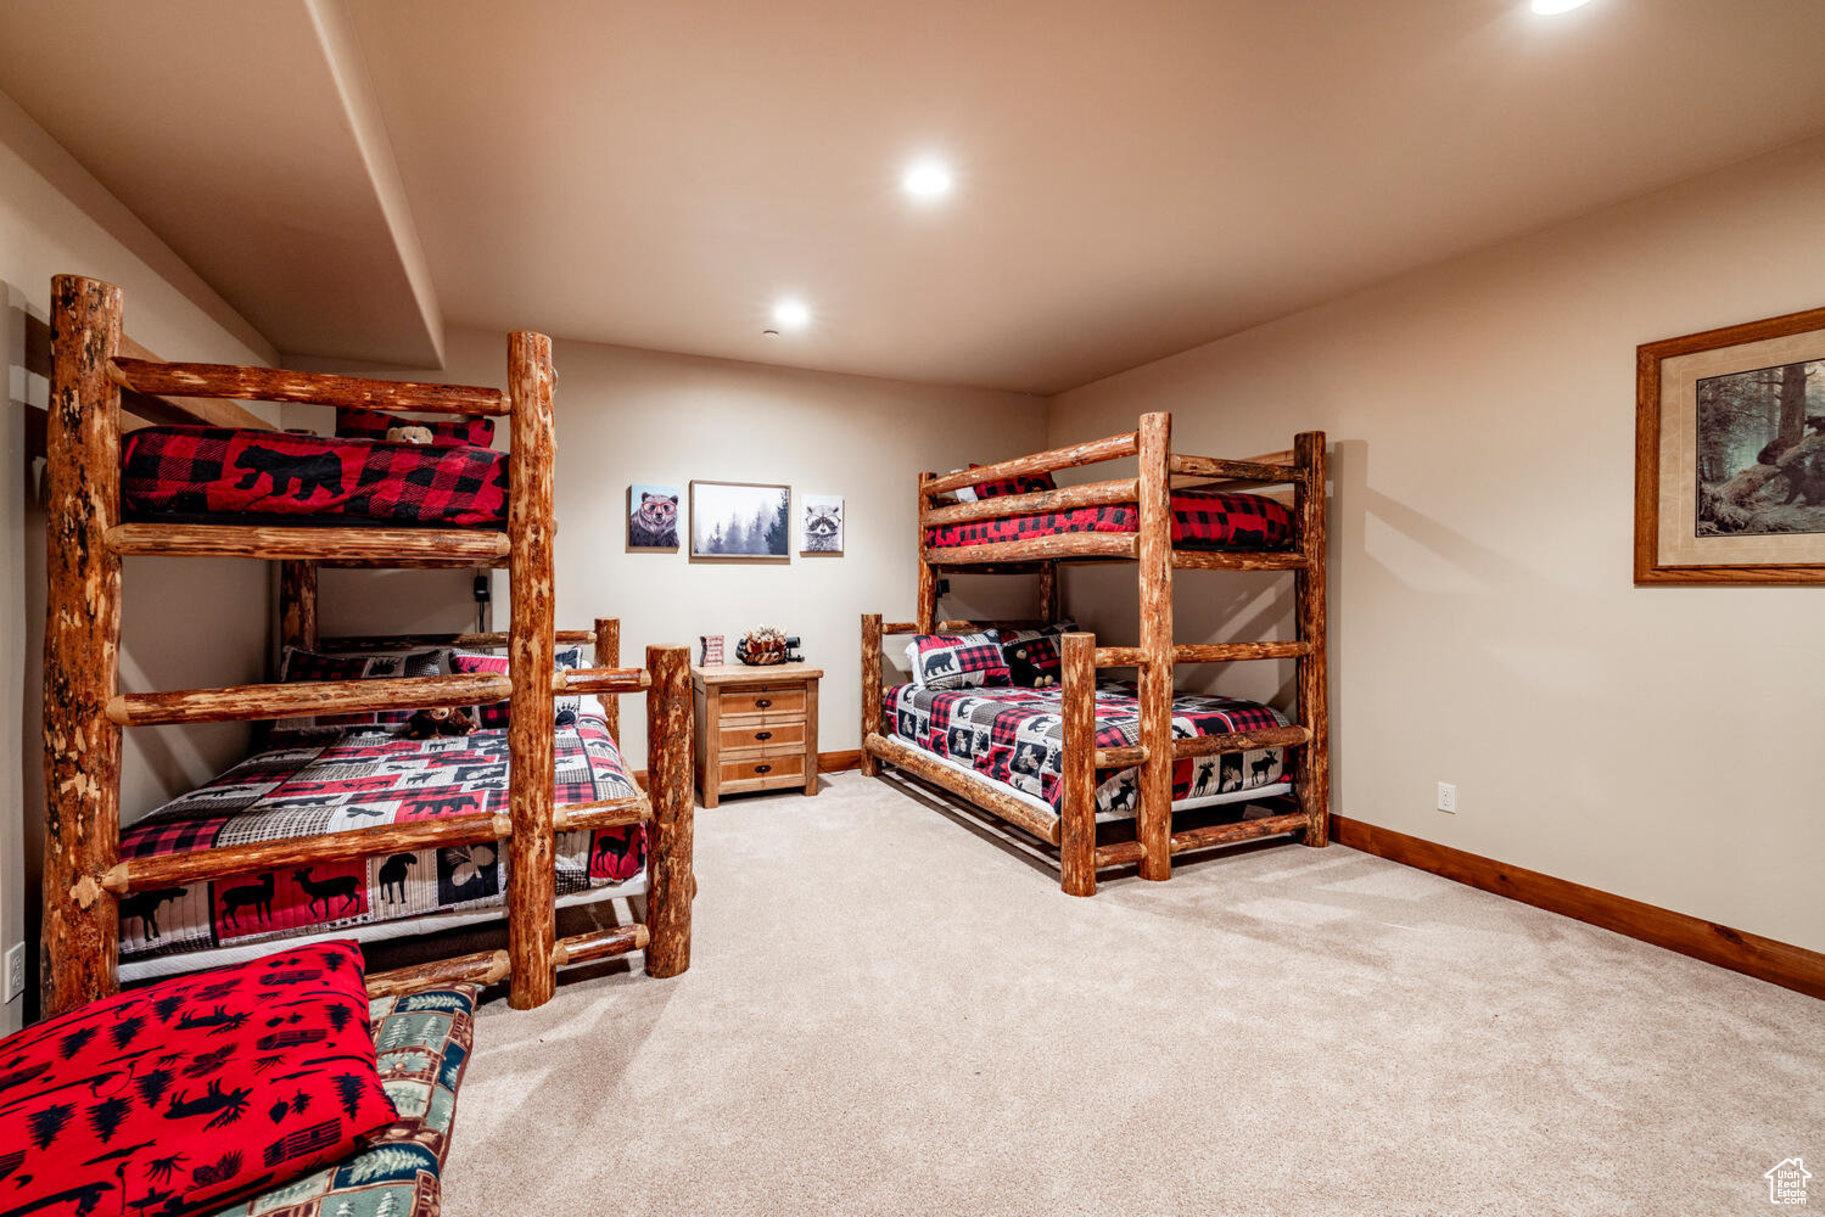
column 957, row 661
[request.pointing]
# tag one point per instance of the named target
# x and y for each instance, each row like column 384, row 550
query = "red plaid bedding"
column 361, row 780
column 1201, row 519
column 195, row 471
column 1015, row 736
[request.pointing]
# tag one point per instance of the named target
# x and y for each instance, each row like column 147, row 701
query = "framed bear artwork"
column 1730, row 454
column 652, row 519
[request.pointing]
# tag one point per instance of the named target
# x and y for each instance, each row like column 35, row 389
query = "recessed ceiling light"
column 791, row 314
column 927, row 179
column 1552, row 8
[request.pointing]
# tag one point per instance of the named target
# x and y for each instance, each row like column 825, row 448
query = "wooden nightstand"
column 756, row 728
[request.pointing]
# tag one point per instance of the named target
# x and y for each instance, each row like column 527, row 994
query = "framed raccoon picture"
column 822, row 525
column 652, row 519
column 1730, row 454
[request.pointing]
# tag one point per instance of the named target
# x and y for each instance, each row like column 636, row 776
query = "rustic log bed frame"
column 84, row 711
column 1150, row 547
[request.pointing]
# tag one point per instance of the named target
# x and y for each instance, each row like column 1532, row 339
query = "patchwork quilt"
column 422, row 1043
column 360, row 780
column 1201, row 519
column 199, row 471
column 1015, row 736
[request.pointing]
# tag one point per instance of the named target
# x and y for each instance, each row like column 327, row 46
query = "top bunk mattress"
column 364, row 779
column 225, row 475
column 1201, row 519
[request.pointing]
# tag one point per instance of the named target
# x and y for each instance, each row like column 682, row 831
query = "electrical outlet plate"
column 15, row 971
column 1447, row 797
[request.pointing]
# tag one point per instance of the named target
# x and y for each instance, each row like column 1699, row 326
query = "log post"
column 298, row 605
column 81, row 646
column 1153, row 806
column 871, row 689
column 1049, row 599
column 608, row 655
column 926, row 606
column 531, row 629
column 1312, row 768
column 669, row 878
column 1077, row 807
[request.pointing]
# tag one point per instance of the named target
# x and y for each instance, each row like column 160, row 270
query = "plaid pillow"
column 1026, row 483
column 957, row 661
column 1032, row 656
column 495, row 716
column 445, row 433
column 298, row 665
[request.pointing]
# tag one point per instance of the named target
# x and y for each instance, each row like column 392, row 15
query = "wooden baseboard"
column 837, row 762
column 1778, row 963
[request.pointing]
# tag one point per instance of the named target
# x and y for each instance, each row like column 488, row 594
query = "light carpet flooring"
column 889, row 1012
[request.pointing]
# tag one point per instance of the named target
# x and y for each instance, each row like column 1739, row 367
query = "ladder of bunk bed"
column 84, row 711
column 1155, row 656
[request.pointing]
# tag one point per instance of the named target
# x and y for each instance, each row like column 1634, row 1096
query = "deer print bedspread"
column 206, row 471
column 363, row 779
column 1015, row 736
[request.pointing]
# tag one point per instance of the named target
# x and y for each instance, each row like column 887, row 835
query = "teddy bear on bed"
column 439, row 720
column 1023, row 670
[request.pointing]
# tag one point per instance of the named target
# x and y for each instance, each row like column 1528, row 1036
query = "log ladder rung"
column 338, row 546
column 252, row 703
column 192, row 866
column 302, row 388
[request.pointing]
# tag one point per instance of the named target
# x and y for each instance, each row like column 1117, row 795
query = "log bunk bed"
column 1017, row 525
column 87, row 878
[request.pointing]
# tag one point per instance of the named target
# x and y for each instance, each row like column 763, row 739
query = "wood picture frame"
column 740, row 521
column 1710, row 506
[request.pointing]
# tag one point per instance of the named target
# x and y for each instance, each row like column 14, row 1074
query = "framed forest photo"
column 1730, row 454
column 741, row 521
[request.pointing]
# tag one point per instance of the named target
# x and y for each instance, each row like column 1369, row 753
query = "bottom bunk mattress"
column 1015, row 738
column 360, row 780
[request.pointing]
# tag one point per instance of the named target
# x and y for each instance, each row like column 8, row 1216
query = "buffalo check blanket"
column 362, row 779
column 1201, row 519
column 200, row 471
column 1015, row 736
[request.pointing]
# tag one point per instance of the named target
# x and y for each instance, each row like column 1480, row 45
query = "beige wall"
column 1658, row 743
column 55, row 219
column 626, row 416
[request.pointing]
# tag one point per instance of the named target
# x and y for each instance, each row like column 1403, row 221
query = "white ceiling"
column 1134, row 178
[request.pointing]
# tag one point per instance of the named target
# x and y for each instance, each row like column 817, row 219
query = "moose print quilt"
column 362, row 779
column 1015, row 736
column 201, row 471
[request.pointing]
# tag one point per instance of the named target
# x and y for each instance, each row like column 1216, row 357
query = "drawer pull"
column 763, row 702
column 763, row 735
column 762, row 768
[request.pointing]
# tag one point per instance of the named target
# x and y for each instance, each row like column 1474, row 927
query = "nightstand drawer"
column 788, row 769
column 765, row 735
column 784, row 702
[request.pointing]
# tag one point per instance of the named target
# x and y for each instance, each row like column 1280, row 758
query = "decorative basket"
column 764, row 646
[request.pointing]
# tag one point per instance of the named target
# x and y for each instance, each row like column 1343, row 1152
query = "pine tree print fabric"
column 175, row 1098
column 422, row 1041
